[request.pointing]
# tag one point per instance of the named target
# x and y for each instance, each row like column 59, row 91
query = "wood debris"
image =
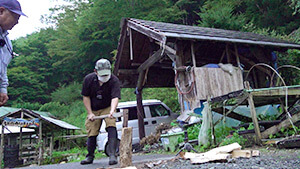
column 220, row 154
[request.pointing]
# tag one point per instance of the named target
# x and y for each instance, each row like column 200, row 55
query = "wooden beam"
column 151, row 60
column 193, row 54
column 276, row 91
column 120, row 45
column 146, row 31
column 284, row 124
column 233, row 108
column 246, row 60
column 140, row 113
column 253, row 115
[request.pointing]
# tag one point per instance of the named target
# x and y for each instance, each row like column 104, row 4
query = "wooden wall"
column 215, row 82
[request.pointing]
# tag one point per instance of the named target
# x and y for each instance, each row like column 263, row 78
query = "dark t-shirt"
column 100, row 96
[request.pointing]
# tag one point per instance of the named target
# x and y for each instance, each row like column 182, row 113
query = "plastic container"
column 170, row 141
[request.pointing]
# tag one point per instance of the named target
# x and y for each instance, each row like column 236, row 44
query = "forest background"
column 48, row 72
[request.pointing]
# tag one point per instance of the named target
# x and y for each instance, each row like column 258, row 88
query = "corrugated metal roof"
column 202, row 33
column 44, row 115
column 60, row 123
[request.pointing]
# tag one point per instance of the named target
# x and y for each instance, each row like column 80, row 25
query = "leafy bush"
column 58, row 110
column 67, row 94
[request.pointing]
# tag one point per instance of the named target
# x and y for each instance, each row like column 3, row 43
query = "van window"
column 158, row 110
column 132, row 113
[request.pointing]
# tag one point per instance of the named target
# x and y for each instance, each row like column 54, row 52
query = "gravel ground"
column 269, row 158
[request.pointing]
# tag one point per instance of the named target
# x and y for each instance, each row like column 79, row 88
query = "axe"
column 115, row 115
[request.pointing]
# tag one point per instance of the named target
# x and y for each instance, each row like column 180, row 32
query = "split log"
column 126, row 147
column 215, row 157
column 216, row 154
column 241, row 153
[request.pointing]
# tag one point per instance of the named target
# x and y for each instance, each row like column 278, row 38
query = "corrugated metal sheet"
column 60, row 123
column 44, row 115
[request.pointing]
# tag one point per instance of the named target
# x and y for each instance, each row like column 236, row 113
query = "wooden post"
column 40, row 143
column 21, row 143
column 21, row 136
column 125, row 118
column 2, row 145
column 126, row 147
column 140, row 113
column 210, row 116
column 51, row 143
column 193, row 54
column 253, row 115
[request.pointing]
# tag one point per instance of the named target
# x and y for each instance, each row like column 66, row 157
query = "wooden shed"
column 202, row 63
column 35, row 135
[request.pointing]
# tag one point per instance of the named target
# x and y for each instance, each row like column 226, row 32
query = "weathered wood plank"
column 276, row 91
column 216, row 82
column 284, row 124
column 253, row 115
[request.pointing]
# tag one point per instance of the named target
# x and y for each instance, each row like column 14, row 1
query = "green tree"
column 221, row 14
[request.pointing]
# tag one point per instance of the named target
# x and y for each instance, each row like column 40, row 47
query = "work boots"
column 91, row 146
column 87, row 160
column 111, row 151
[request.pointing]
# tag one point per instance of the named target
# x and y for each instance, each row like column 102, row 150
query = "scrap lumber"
column 284, row 124
column 220, row 154
column 215, row 157
column 216, row 154
column 241, row 153
column 126, row 147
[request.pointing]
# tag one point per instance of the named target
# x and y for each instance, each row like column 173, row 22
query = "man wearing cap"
column 10, row 11
column 101, row 94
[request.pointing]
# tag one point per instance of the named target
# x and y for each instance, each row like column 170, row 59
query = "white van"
column 155, row 111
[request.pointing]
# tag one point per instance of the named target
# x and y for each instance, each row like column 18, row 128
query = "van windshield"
column 158, row 110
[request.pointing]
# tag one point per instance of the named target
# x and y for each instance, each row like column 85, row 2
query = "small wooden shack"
column 202, row 63
column 35, row 135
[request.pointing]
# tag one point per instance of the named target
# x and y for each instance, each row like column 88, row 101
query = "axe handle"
column 115, row 115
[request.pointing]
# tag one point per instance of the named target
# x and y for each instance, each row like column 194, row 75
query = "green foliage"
column 72, row 155
column 232, row 139
column 274, row 14
column 57, row 109
column 67, row 94
column 166, row 95
column 221, row 14
column 193, row 131
column 76, row 115
column 27, row 105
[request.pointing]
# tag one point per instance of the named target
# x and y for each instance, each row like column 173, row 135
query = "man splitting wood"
column 101, row 94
